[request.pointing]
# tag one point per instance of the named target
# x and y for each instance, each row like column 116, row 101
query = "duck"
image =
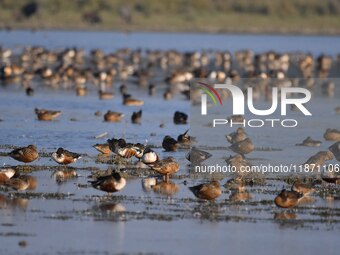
column 309, row 142
column 110, row 183
column 129, row 101
column 29, row 91
column 166, row 167
column 238, row 162
column 6, row 173
column 152, row 90
column 170, row 144
column 105, row 95
column 136, row 117
column 6, row 72
column 98, row 113
column 81, row 90
column 330, row 176
column 123, row 89
column 102, row 148
column 113, row 116
column 331, row 179
column 235, row 184
column 167, row 94
column 139, row 148
column 149, row 156
column 237, row 196
column 46, row 115
column 335, row 149
column 25, row 154
column 207, row 191
column 302, row 188
column 287, row 198
column 65, row 157
column 180, row 117
column 243, row 147
column 196, row 156
column 184, row 138
column 116, row 144
column 332, row 135
column 328, row 88
column 318, row 160
column 124, row 149
column 236, row 119
column 237, row 136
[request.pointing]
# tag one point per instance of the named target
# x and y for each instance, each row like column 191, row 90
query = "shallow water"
column 73, row 218
column 109, row 41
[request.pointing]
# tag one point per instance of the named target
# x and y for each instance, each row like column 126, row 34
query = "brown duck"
column 207, row 191
column 309, row 142
column 46, row 115
column 166, row 167
column 237, row 136
column 243, row 147
column 287, row 199
column 129, row 101
column 25, row 154
column 102, row 148
column 105, row 95
column 113, row 116
column 302, row 188
column 318, row 160
column 238, row 162
column 332, row 135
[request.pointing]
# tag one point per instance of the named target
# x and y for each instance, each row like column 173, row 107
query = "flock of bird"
column 111, row 183
column 240, row 143
column 74, row 70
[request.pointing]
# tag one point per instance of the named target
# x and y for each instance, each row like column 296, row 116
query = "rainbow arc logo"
column 213, row 94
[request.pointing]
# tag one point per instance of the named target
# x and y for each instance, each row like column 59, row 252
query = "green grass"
column 199, row 16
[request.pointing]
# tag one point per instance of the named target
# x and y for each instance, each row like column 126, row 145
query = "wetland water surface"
column 74, row 218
